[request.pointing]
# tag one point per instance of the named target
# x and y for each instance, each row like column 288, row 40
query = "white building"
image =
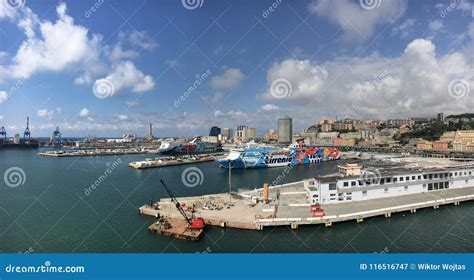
column 383, row 183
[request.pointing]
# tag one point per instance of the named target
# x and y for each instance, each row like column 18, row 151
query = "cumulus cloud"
column 270, row 107
column 229, row 80
column 305, row 78
column 53, row 46
column 62, row 45
column 416, row 82
column 45, row 113
column 436, row 25
column 84, row 113
column 123, row 117
column 358, row 23
column 3, row 96
column 126, row 76
column 216, row 98
column 403, row 30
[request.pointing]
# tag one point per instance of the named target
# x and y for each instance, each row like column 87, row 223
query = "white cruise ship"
column 354, row 183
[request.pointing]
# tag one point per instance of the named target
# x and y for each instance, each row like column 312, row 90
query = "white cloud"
column 229, row 80
column 84, row 113
column 45, row 113
column 123, row 117
column 307, row 80
column 415, row 83
column 358, row 23
column 1, row 117
column 142, row 39
column 436, row 25
column 216, row 98
column 404, row 29
column 270, row 107
column 53, row 46
column 126, row 76
column 3, row 96
column 63, row 45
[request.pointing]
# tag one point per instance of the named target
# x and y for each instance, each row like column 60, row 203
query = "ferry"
column 263, row 157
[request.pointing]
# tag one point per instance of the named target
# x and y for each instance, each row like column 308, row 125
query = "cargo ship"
column 296, row 154
column 22, row 143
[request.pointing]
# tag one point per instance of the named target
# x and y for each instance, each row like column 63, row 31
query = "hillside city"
column 452, row 133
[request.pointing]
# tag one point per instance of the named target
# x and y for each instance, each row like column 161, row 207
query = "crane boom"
column 176, row 203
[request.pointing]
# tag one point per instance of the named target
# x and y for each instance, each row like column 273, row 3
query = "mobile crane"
column 193, row 223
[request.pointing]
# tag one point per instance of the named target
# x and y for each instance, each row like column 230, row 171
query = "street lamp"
column 230, row 180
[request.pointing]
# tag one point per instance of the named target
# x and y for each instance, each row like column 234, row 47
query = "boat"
column 262, row 157
column 169, row 147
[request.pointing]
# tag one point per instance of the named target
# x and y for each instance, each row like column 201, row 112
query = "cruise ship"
column 357, row 183
column 262, row 157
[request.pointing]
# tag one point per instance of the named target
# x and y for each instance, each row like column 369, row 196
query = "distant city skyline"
column 107, row 68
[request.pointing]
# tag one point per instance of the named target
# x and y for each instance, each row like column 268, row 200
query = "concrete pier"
column 292, row 209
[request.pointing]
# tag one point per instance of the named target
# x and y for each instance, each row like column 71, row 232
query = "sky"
column 110, row 67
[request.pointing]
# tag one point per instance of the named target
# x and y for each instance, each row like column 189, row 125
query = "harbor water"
column 89, row 204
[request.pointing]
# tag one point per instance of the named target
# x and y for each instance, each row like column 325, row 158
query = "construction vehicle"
column 193, row 223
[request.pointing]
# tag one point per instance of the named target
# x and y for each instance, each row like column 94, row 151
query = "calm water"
column 51, row 212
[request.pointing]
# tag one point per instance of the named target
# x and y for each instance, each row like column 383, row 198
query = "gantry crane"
column 193, row 223
column 27, row 133
column 3, row 132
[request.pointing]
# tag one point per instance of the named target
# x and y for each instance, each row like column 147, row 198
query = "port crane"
column 3, row 132
column 193, row 223
column 27, row 133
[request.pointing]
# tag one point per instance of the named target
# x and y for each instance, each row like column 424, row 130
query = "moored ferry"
column 262, row 157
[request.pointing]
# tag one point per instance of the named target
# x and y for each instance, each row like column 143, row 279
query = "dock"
column 165, row 163
column 292, row 208
column 90, row 153
column 177, row 228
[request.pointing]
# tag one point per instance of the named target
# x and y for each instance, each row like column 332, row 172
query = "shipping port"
column 17, row 142
column 358, row 191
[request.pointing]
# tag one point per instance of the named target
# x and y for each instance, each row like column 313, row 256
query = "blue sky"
column 108, row 67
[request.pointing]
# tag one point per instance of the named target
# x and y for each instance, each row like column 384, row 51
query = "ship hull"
column 262, row 158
